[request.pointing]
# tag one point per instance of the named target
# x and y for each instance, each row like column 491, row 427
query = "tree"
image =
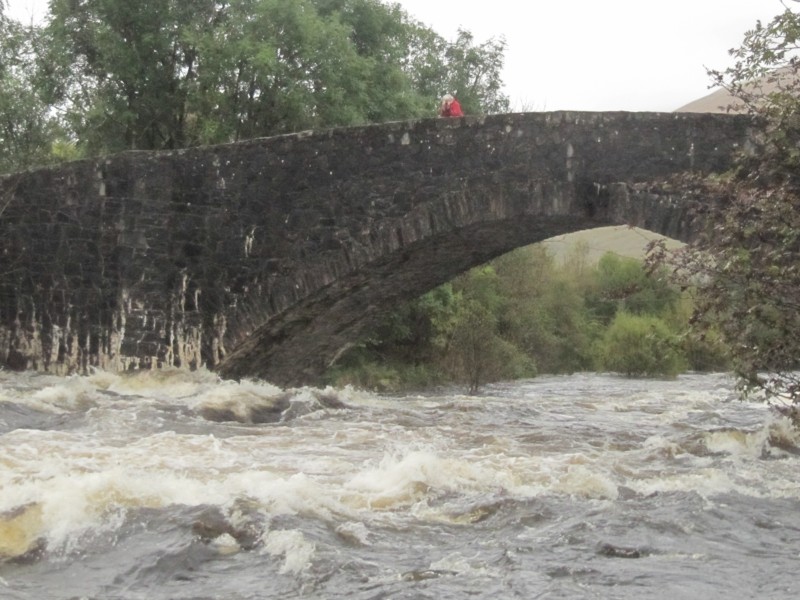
column 622, row 283
column 477, row 355
column 746, row 261
column 158, row 74
column 473, row 73
column 470, row 71
column 545, row 313
column 122, row 72
column 476, row 352
column 27, row 129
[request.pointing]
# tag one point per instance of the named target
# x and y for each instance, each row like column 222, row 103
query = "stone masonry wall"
column 266, row 257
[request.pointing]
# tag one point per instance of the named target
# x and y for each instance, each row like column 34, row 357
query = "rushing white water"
column 172, row 485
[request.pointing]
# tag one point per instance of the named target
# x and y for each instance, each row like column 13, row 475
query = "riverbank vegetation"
column 746, row 261
column 527, row 313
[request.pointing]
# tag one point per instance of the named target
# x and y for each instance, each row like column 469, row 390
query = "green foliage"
column 26, row 126
column 109, row 75
column 624, row 284
column 476, row 352
column 403, row 350
column 416, row 332
column 764, row 81
column 641, row 346
column 522, row 314
column 472, row 73
column 381, row 376
column 746, row 262
column 545, row 312
column 747, row 268
column 706, row 351
column 158, row 74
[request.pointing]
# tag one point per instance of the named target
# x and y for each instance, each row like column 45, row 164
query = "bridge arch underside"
column 434, row 243
column 266, row 258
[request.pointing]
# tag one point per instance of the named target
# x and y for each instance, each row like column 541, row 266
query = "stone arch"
column 266, row 257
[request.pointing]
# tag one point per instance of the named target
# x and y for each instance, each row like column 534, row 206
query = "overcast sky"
column 603, row 54
column 636, row 55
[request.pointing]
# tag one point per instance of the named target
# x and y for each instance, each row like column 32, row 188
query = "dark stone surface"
column 267, row 257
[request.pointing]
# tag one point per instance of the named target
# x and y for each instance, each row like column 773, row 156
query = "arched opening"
column 583, row 301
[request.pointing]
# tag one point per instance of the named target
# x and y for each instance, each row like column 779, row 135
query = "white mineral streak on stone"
column 248, row 241
column 116, row 337
column 101, row 186
column 220, row 180
column 182, row 292
column 218, row 351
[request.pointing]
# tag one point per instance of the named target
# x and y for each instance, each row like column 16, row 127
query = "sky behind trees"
column 610, row 55
column 585, row 54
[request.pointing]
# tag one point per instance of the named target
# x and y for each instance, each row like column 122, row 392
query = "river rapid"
column 174, row 485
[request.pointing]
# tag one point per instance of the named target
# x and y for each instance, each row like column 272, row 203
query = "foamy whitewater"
column 174, row 485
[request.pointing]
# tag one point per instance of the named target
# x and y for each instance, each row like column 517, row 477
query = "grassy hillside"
column 619, row 239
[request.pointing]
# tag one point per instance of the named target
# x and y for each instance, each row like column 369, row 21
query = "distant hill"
column 622, row 240
column 720, row 100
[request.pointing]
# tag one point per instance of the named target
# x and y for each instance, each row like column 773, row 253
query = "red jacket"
column 453, row 110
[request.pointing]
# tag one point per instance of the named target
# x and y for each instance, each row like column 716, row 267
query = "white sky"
column 633, row 55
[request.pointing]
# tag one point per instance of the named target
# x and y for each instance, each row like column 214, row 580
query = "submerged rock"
column 255, row 411
column 613, row 551
column 211, row 525
column 20, row 534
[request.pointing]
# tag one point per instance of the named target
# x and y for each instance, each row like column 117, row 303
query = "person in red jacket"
column 450, row 107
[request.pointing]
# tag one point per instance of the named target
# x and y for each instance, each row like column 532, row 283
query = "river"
column 173, row 485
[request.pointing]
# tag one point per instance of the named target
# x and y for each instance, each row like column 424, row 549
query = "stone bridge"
column 266, row 258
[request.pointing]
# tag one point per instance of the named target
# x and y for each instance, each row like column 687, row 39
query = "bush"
column 706, row 351
column 476, row 355
column 641, row 346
